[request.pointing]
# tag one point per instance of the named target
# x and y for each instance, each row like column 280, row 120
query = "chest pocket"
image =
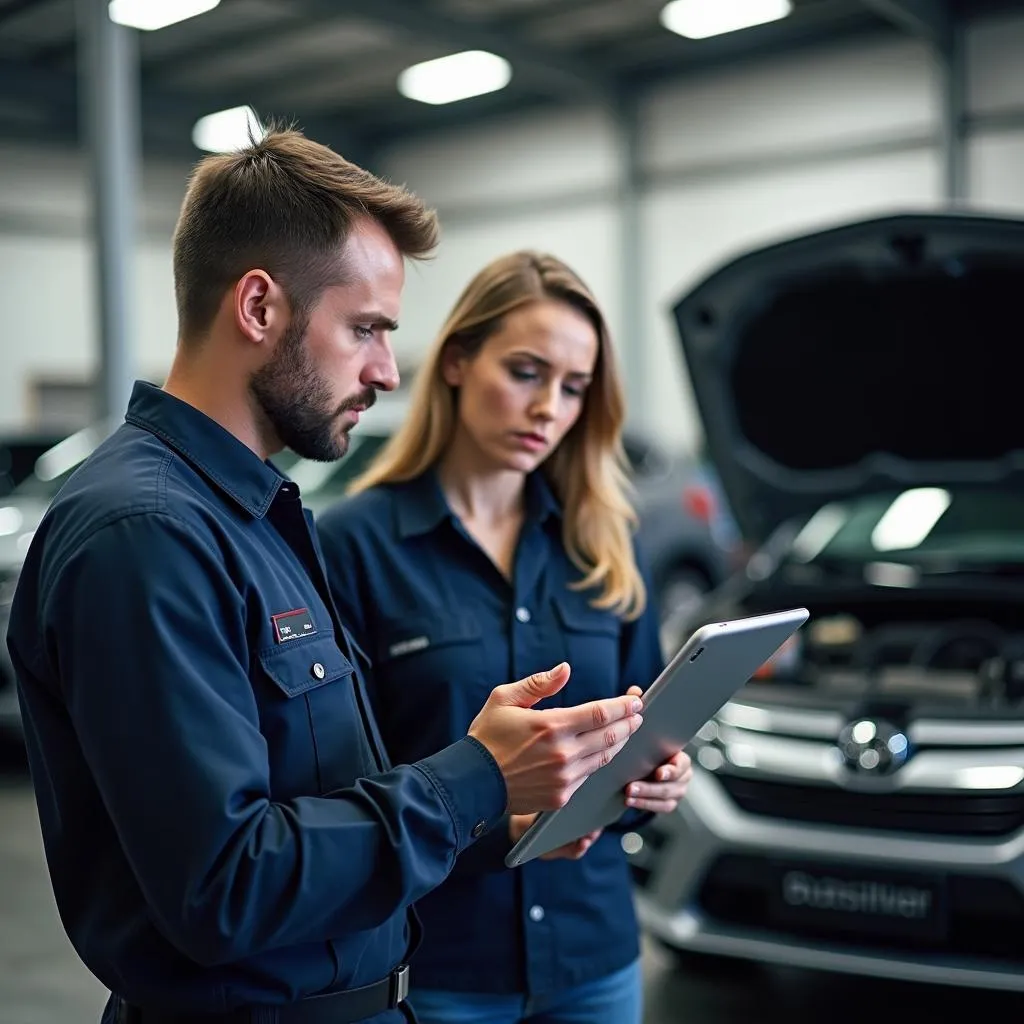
column 429, row 681
column 315, row 734
column 591, row 638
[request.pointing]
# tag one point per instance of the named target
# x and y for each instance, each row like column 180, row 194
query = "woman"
column 493, row 537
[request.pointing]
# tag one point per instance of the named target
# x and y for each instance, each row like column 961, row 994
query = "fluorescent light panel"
column 910, row 518
column 150, row 15
column 455, row 77
column 227, row 130
column 699, row 19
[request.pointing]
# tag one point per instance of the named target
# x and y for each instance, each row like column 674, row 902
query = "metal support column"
column 951, row 47
column 109, row 111
column 633, row 344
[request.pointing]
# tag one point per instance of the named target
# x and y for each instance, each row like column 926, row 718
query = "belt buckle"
column 399, row 984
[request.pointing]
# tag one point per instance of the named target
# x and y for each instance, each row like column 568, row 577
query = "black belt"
column 347, row 1007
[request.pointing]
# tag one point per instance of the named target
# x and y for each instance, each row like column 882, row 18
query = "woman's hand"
column 662, row 790
column 519, row 823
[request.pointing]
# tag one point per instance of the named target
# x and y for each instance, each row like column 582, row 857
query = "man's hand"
column 519, row 823
column 662, row 790
column 546, row 755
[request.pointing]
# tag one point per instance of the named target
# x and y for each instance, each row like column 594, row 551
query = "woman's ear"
column 453, row 363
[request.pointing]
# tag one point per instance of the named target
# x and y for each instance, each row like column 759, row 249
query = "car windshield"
column 945, row 529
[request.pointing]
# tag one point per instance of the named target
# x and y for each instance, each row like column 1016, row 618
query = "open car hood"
column 883, row 353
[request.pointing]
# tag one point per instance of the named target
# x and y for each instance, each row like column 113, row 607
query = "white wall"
column 729, row 160
column 47, row 286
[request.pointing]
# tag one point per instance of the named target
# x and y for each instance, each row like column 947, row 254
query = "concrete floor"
column 42, row 981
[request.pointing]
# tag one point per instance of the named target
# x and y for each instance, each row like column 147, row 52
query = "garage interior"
column 808, row 234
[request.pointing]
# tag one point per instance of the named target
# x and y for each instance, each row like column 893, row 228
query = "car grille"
column 967, row 814
column 985, row 915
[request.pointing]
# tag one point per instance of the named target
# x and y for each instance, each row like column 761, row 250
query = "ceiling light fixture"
column 699, row 19
column 150, row 15
column 455, row 77
column 227, row 130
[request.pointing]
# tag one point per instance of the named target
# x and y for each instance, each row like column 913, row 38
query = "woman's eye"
column 573, row 390
column 520, row 373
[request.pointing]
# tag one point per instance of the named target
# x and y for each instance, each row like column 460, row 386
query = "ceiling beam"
column 561, row 74
column 241, row 39
column 926, row 19
column 166, row 117
column 15, row 7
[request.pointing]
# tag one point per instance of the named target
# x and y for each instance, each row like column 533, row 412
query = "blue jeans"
column 614, row 999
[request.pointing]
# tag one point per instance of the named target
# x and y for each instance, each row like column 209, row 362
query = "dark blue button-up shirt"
column 442, row 626
column 221, row 824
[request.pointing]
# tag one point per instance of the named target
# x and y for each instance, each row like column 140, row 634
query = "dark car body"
column 859, row 806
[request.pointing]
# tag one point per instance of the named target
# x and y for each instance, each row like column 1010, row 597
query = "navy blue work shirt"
column 221, row 823
column 442, row 626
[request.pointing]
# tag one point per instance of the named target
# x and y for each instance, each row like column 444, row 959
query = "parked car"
column 20, row 513
column 678, row 509
column 18, row 454
column 859, row 806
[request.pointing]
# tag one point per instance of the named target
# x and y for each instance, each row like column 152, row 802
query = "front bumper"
column 682, row 898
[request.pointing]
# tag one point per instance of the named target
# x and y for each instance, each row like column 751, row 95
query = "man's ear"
column 260, row 307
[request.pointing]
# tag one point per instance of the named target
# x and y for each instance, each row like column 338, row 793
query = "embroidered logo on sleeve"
column 416, row 643
column 291, row 625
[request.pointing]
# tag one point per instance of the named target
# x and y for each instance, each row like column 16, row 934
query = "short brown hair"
column 284, row 204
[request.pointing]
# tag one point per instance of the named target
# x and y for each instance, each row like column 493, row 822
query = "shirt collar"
column 421, row 505
column 235, row 468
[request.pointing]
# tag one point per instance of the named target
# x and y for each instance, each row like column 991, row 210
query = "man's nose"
column 381, row 370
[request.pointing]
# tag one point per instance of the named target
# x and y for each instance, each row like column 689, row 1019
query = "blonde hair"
column 587, row 471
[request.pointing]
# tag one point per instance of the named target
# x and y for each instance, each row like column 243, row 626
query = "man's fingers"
column 524, row 693
column 596, row 714
column 590, row 763
column 613, row 735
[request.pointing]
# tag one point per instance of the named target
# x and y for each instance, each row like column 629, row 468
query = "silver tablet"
column 708, row 669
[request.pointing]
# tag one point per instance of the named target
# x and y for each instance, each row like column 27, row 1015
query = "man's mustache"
column 364, row 400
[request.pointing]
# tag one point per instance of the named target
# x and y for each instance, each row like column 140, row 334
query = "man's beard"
column 296, row 401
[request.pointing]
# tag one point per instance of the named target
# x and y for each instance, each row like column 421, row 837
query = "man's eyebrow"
column 375, row 317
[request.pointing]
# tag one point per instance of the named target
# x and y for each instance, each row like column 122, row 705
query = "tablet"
column 707, row 670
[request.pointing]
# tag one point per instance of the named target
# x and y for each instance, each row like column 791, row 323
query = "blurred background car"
column 18, row 454
column 859, row 806
column 684, row 527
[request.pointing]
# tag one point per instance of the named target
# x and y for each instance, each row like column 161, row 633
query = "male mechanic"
column 226, row 838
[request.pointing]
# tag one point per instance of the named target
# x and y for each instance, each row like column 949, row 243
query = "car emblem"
column 873, row 747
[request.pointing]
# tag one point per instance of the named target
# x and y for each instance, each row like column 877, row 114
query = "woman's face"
column 523, row 390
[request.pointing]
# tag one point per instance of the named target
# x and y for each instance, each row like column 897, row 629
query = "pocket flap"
column 303, row 666
column 419, row 633
column 579, row 617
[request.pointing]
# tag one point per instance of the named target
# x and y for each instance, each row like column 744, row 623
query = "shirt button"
column 318, row 670
column 479, row 828
column 523, row 614
column 536, row 912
